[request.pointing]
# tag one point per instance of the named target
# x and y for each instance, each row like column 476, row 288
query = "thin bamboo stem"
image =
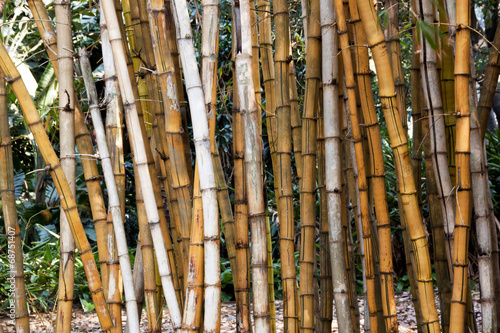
column 207, row 179
column 114, row 202
column 333, row 173
column 17, row 305
column 67, row 152
column 462, row 154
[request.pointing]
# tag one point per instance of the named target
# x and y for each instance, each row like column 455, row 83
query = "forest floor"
column 87, row 321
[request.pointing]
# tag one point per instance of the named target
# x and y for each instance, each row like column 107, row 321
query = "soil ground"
column 87, row 321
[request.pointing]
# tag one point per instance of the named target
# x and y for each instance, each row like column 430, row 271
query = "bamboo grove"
column 316, row 100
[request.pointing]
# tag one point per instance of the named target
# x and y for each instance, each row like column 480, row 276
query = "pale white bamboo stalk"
column 67, row 157
column 135, row 133
column 208, row 187
column 333, row 170
column 432, row 94
column 114, row 202
column 253, row 166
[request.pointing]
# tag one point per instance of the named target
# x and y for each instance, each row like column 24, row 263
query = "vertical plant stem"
column 114, row 201
column 12, row 231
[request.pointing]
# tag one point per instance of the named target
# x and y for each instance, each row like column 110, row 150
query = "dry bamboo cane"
column 193, row 307
column 207, row 179
column 448, row 90
column 17, row 299
column 389, row 304
column 479, row 174
column 308, row 186
column 210, row 51
column 68, row 203
column 173, row 118
column 283, row 170
column 462, row 154
column 403, row 166
column 82, row 136
column 270, row 277
column 67, row 157
column 134, row 128
column 324, row 322
column 295, row 120
column 114, row 202
column 114, row 135
column 333, row 171
column 431, row 91
column 488, row 89
column 253, row 174
column 242, row 281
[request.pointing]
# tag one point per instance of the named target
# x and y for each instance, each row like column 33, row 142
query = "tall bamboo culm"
column 67, row 156
column 114, row 201
column 253, row 171
column 69, row 206
column 479, row 174
column 308, row 186
column 283, row 170
column 139, row 150
column 204, row 161
column 399, row 146
column 431, row 92
column 462, row 155
column 333, row 171
column 193, row 307
column 12, row 231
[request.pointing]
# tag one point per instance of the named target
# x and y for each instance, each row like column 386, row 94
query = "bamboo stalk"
column 133, row 125
column 207, row 180
column 270, row 277
column 403, row 166
column 67, row 150
column 68, row 204
column 462, row 154
column 17, row 298
column 193, row 308
column 438, row 153
column 308, row 186
column 242, row 281
column 283, row 170
column 253, row 174
column 114, row 201
column 333, row 172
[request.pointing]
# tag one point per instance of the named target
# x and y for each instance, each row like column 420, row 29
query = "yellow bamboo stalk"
column 403, row 165
column 283, row 170
column 17, row 306
column 242, row 281
column 462, row 155
column 68, row 203
column 192, row 318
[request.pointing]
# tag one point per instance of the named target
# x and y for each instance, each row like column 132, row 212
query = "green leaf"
column 429, row 33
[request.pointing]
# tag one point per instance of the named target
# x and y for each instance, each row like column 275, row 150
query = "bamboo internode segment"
column 12, row 230
column 67, row 201
column 399, row 146
column 114, row 201
column 193, row 308
column 462, row 155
